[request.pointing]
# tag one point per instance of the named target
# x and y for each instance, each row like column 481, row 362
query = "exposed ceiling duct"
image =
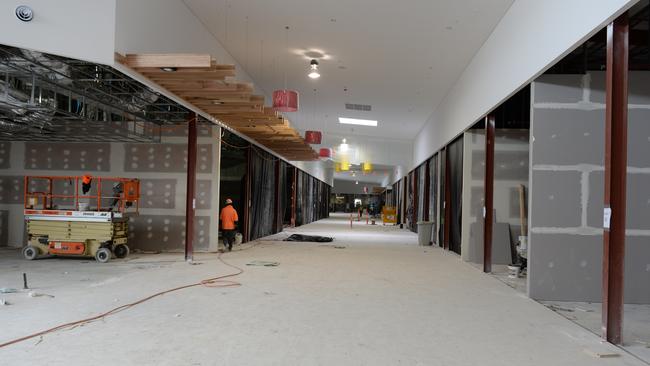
column 52, row 98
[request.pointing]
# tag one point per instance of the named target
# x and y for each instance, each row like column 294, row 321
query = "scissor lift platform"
column 98, row 232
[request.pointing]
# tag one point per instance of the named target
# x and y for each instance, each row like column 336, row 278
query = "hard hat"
column 86, row 179
column 228, row 201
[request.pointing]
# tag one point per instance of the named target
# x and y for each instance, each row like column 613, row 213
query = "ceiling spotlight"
column 314, row 69
column 168, row 69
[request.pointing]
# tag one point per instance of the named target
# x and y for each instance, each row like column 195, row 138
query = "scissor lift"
column 90, row 224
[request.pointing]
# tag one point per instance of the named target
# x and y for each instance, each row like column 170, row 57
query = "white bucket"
column 238, row 238
column 523, row 242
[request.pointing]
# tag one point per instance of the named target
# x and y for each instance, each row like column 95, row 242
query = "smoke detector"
column 24, row 13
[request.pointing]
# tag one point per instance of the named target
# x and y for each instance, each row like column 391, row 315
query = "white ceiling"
column 400, row 57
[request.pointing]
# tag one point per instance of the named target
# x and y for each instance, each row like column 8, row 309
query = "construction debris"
column 310, row 238
column 38, row 294
column 7, row 290
column 598, row 354
column 4, row 302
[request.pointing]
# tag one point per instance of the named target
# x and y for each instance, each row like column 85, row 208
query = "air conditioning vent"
column 358, row 107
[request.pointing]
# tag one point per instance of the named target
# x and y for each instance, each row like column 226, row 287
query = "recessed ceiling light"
column 169, row 69
column 360, row 122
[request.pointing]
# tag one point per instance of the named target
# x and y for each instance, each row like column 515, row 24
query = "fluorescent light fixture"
column 360, row 122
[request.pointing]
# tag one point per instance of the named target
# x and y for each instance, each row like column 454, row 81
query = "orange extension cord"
column 219, row 281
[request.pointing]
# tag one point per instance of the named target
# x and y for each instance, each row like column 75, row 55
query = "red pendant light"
column 313, row 137
column 325, row 153
column 285, row 100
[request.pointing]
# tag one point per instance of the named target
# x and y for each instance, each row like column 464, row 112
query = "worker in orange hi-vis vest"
column 229, row 221
column 86, row 180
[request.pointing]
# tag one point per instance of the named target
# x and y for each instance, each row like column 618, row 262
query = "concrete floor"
column 636, row 323
column 381, row 300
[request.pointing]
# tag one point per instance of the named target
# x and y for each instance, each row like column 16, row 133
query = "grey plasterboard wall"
column 566, row 203
column 161, row 168
column 511, row 150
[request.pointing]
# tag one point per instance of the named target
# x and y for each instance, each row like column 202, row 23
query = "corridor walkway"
column 372, row 297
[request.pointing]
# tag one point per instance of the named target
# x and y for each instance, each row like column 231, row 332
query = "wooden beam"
column 615, row 178
column 168, row 60
column 188, row 75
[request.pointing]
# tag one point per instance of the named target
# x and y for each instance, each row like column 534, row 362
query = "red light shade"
column 313, row 137
column 325, row 153
column 285, row 100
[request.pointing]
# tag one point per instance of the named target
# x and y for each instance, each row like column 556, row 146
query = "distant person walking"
column 229, row 221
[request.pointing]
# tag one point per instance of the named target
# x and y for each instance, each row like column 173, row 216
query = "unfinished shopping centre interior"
column 281, row 182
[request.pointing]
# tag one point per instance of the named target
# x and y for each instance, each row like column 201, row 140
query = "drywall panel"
column 567, row 190
column 80, row 29
column 557, row 198
column 161, row 169
column 72, row 156
column 532, row 36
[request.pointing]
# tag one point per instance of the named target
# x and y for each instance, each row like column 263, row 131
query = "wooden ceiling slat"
column 168, row 60
column 189, row 75
column 201, row 81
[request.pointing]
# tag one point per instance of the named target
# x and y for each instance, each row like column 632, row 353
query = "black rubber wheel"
column 121, row 251
column 30, row 252
column 103, row 255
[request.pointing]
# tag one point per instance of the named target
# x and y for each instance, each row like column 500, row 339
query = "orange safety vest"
column 228, row 218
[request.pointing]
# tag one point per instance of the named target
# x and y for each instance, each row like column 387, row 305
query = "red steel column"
column 447, row 204
column 294, row 196
column 615, row 178
column 405, row 197
column 277, row 224
column 488, row 209
column 414, row 216
column 190, row 201
column 427, row 190
column 247, row 201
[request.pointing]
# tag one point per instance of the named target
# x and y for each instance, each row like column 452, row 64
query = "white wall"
column 167, row 26
column 81, row 29
column 532, row 36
